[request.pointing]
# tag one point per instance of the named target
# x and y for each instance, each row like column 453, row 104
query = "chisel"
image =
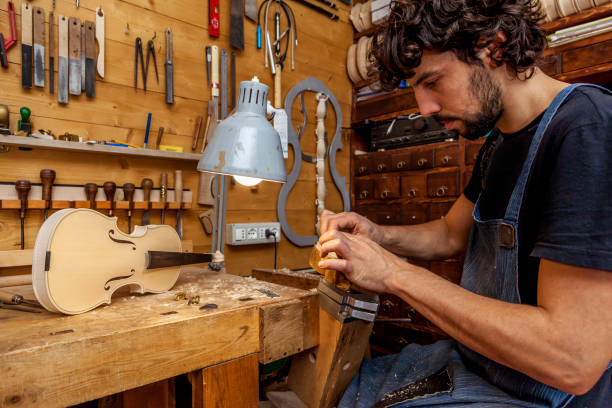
column 62, row 63
column 47, row 177
column 146, row 185
column 110, row 188
column 91, row 190
column 90, row 62
column 178, row 197
column 51, row 53
column 237, row 24
column 208, row 60
column 26, row 45
column 23, row 189
column 169, row 68
column 74, row 43
column 10, row 298
column 82, row 55
column 38, row 24
column 128, row 195
column 163, row 185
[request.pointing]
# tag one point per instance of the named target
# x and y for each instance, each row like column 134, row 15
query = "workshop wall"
column 119, row 112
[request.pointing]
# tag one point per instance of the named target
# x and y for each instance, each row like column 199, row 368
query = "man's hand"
column 363, row 261
column 352, row 223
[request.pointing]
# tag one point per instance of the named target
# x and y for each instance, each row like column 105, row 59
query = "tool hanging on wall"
column 169, row 68
column 208, row 60
column 26, row 45
column 138, row 57
column 178, row 197
column 196, row 133
column 206, row 179
column 146, row 138
column 160, row 134
column 91, row 190
column 110, row 188
column 7, row 43
column 62, row 67
column 321, row 10
column 90, row 62
column 290, row 33
column 74, row 44
column 237, row 24
column 146, row 184
column 47, row 176
column 214, row 22
column 223, row 83
column 250, row 10
column 151, row 53
column 100, row 38
column 128, row 195
column 163, row 193
column 51, row 53
column 83, row 55
column 232, row 80
column 38, row 24
column 23, row 189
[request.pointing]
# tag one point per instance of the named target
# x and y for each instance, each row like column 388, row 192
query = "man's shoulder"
column 585, row 106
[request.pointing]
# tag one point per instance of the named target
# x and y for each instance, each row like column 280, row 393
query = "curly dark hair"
column 462, row 26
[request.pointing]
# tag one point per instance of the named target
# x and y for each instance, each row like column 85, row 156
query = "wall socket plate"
column 252, row 233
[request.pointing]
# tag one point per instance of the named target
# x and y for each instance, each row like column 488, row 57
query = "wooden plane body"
column 81, row 258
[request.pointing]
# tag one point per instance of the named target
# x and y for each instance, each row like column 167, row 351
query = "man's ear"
column 493, row 53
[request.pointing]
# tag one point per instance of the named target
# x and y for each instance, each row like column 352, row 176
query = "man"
column 532, row 319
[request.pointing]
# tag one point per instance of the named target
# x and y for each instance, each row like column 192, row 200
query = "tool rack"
column 100, row 205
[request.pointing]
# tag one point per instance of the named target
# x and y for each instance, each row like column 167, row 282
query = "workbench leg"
column 227, row 385
column 157, row 395
column 319, row 376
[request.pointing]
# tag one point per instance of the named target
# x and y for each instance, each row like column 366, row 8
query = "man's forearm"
column 428, row 241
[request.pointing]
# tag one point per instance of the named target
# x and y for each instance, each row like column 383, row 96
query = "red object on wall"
column 213, row 18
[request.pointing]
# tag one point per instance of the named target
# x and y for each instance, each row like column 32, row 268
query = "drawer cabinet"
column 443, row 184
column 364, row 189
column 387, row 188
column 447, row 156
column 414, row 186
column 362, row 166
column 422, row 159
column 413, row 214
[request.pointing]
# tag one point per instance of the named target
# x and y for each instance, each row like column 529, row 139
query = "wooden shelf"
column 96, row 149
column 585, row 16
column 100, row 205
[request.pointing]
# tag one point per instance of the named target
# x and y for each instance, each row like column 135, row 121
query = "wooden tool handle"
column 90, row 40
column 110, row 188
column 62, row 28
column 160, row 133
column 16, row 280
column 100, row 38
column 7, row 297
column 128, row 192
column 163, row 185
column 146, row 184
column 196, row 133
column 214, row 68
column 26, row 24
column 51, row 34
column 48, row 177
column 278, row 103
column 91, row 189
column 23, row 189
column 178, row 186
column 38, row 25
column 74, row 34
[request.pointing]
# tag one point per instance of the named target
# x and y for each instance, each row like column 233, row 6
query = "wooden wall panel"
column 119, row 112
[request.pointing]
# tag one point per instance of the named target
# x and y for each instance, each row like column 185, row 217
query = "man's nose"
column 427, row 105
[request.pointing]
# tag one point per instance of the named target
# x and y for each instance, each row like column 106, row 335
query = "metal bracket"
column 346, row 306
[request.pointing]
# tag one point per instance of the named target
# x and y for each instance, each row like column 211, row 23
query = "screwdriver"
column 23, row 189
column 162, row 194
column 109, row 188
column 146, row 184
column 128, row 195
column 91, row 189
column 48, row 177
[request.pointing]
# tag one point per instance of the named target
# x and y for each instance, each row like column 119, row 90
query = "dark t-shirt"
column 566, row 214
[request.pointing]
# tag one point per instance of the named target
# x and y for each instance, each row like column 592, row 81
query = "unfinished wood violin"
column 81, row 258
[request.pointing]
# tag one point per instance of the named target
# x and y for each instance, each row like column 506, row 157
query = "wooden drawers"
column 364, row 189
column 447, row 156
column 386, row 188
column 443, row 184
column 414, row 186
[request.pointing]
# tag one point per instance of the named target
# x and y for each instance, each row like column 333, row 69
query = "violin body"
column 81, row 258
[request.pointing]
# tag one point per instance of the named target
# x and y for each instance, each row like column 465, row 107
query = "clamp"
column 6, row 43
column 347, row 306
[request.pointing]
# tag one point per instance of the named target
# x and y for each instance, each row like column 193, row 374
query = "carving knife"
column 237, row 24
column 90, row 62
column 62, row 67
column 163, row 185
column 26, row 45
column 178, row 194
column 74, row 43
column 51, row 53
column 169, row 69
column 146, row 185
column 39, row 46
column 100, row 38
column 83, row 55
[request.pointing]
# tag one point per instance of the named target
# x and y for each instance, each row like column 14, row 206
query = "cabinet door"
column 362, row 166
column 413, row 214
column 447, row 156
column 387, row 188
column 414, row 186
column 364, row 189
column 443, row 184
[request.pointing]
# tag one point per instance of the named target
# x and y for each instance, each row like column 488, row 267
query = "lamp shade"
column 245, row 144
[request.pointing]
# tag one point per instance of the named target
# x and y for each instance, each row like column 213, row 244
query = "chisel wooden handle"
column 178, row 187
column 110, row 188
column 91, row 189
column 128, row 194
column 15, row 280
column 47, row 177
column 23, row 189
column 163, row 186
column 146, row 185
column 214, row 68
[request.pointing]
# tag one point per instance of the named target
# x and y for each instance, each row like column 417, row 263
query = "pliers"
column 151, row 52
column 137, row 53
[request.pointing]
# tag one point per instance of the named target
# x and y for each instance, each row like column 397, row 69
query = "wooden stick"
column 16, row 280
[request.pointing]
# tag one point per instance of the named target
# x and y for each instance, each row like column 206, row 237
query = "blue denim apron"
column 490, row 269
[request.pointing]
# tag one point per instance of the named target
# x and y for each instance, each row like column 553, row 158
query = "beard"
column 488, row 94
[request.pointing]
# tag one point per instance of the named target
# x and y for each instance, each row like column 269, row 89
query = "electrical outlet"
column 252, row 233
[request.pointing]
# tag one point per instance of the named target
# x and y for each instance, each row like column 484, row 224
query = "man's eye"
column 431, row 84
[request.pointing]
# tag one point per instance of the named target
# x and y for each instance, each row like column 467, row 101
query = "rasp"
column 223, row 83
column 26, row 45
column 237, row 24
column 38, row 25
column 178, row 197
column 90, row 59
column 74, row 55
column 169, row 68
column 62, row 63
column 83, row 55
column 100, row 38
column 51, row 53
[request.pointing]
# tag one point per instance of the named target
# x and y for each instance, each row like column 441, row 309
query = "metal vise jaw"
column 346, row 306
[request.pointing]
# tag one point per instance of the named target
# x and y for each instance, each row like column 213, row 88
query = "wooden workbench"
column 54, row 360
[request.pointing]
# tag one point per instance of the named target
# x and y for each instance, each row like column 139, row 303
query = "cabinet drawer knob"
column 363, row 194
column 446, row 159
column 441, row 191
column 401, row 165
column 381, row 167
column 388, row 306
column 362, row 169
column 385, row 194
column 421, row 162
column 413, row 192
